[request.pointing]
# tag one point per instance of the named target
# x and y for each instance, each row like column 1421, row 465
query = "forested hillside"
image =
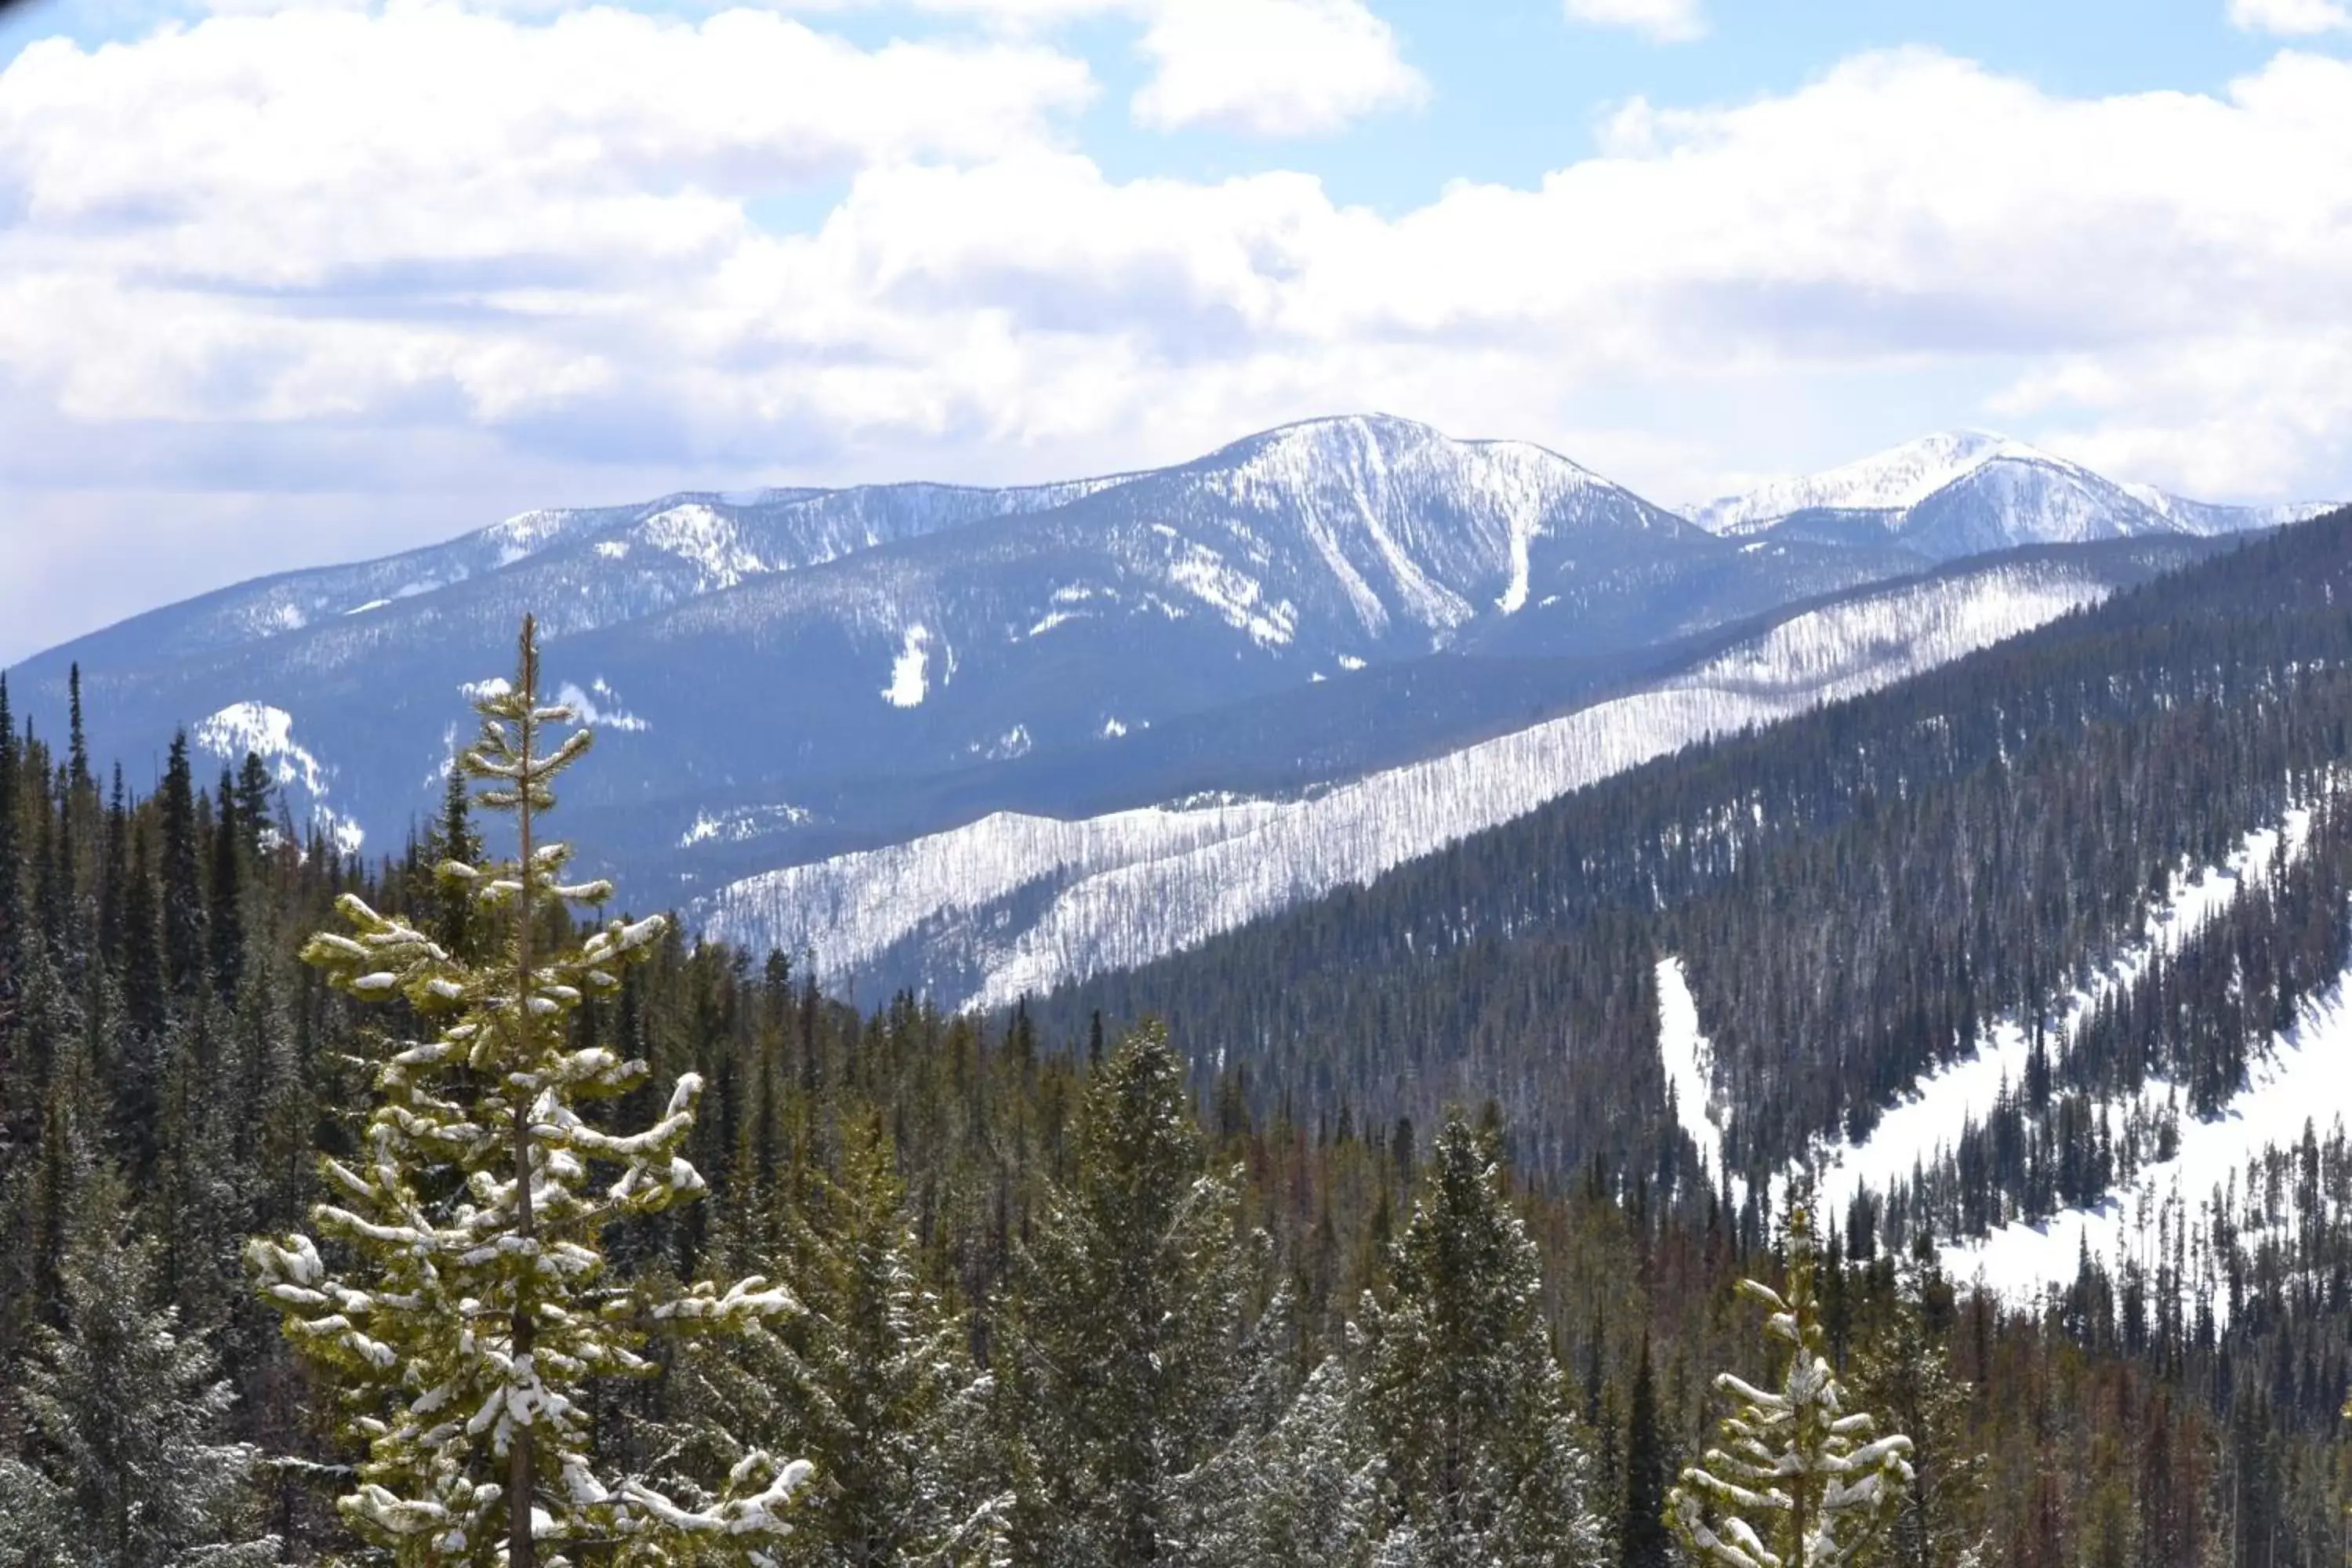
column 1854, row 890
column 953, row 1204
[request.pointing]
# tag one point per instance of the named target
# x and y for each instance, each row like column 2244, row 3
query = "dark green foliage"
column 183, row 890
column 126, row 1465
column 1127, row 1341
column 1644, row 1541
column 1467, row 1397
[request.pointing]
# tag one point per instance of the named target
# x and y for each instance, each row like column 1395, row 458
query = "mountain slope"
column 1855, row 891
column 1016, row 903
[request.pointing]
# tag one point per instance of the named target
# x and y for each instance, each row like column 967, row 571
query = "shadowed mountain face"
column 788, row 676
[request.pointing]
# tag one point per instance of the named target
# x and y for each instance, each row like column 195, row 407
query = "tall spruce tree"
column 869, row 1380
column 1465, row 1390
column 224, row 920
column 475, row 1313
column 256, row 802
column 1906, row 1371
column 12, row 850
column 1126, row 1357
column 182, row 879
column 1796, row 1479
column 1643, row 1540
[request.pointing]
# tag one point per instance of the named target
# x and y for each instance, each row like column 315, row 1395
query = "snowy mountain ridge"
column 1960, row 492
column 1899, row 477
column 793, row 675
column 983, row 913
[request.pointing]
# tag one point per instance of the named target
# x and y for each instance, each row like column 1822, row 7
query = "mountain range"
column 1254, row 649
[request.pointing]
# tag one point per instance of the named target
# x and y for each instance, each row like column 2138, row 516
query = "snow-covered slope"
column 834, row 670
column 1010, row 904
column 2304, row 1076
column 1964, row 492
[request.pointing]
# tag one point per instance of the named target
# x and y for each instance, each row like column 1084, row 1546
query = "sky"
column 286, row 283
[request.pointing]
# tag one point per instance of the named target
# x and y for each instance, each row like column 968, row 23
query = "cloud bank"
column 421, row 247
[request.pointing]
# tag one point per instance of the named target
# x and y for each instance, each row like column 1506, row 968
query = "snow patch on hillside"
column 742, row 824
column 2303, row 1078
column 1942, row 1104
column 909, row 673
column 266, row 731
column 606, row 713
column 1928, row 1124
column 524, row 534
column 705, row 540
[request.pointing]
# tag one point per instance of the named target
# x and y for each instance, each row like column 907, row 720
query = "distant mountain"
column 1966, row 492
column 880, row 660
column 797, row 674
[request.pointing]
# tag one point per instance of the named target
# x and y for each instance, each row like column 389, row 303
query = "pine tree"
column 1643, row 1540
column 182, row 905
column 128, row 1468
column 455, row 922
column 12, row 851
column 1796, row 1481
column 475, row 1317
column 256, row 802
column 1906, row 1371
column 225, row 921
column 869, row 1380
column 1465, row 1390
column 1318, row 1493
column 1126, row 1356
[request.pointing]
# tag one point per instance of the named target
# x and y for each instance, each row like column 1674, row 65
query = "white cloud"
column 1667, row 21
column 1271, row 67
column 2297, row 18
column 424, row 249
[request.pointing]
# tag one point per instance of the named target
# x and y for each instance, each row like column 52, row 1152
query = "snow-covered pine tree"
column 468, row 1308
column 126, row 1467
column 1316, row 1495
column 1466, row 1393
column 1796, row 1480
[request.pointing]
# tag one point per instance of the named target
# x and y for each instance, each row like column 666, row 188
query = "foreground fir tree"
column 1466, row 1393
column 1796, row 1480
column 127, row 1467
column 467, row 1309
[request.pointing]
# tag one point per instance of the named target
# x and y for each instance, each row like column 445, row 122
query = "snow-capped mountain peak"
column 1896, row 479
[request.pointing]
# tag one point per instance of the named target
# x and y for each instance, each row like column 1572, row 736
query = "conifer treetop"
column 1795, row 1480
column 475, row 1309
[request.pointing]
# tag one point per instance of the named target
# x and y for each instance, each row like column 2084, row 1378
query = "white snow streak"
column 910, row 682
column 2305, row 1078
column 1689, row 1059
